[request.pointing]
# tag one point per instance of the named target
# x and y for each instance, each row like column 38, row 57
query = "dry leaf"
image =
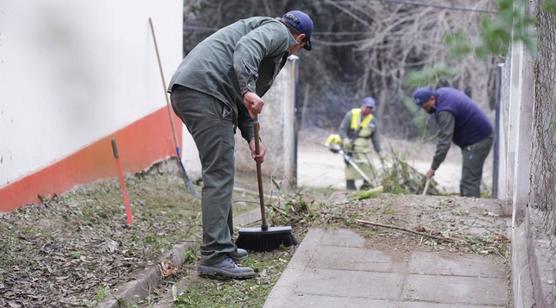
column 420, row 229
column 167, row 268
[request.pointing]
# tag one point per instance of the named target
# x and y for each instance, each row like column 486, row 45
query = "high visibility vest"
column 356, row 123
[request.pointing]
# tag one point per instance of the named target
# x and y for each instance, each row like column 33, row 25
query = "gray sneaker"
column 238, row 254
column 225, row 269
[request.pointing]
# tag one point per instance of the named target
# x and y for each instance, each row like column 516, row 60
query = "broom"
column 264, row 238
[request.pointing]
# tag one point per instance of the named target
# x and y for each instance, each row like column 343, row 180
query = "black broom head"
column 257, row 239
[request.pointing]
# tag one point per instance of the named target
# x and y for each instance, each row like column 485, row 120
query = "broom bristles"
column 255, row 239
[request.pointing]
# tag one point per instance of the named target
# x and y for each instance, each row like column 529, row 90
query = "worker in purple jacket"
column 460, row 120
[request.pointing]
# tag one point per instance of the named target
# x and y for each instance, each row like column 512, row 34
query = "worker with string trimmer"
column 357, row 130
column 216, row 89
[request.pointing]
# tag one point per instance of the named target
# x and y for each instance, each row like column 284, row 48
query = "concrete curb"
column 136, row 290
column 526, row 281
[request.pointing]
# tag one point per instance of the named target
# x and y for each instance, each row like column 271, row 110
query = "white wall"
column 73, row 71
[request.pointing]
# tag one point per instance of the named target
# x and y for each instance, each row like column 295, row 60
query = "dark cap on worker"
column 301, row 22
column 422, row 95
column 369, row 102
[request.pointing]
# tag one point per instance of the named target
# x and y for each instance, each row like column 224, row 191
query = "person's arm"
column 266, row 40
column 246, row 126
column 446, row 124
column 344, row 126
column 343, row 132
column 376, row 141
column 245, row 123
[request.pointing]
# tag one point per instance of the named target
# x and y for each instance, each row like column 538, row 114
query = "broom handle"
column 256, row 128
column 426, row 187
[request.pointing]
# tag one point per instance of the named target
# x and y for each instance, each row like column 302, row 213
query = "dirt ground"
column 71, row 250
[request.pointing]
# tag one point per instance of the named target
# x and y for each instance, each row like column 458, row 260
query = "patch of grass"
column 102, row 293
column 486, row 194
column 371, row 211
column 239, row 293
column 300, row 211
column 460, row 211
column 367, row 233
column 190, row 256
column 388, row 209
column 488, row 245
column 124, row 304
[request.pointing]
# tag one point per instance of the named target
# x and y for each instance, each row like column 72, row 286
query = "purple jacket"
column 472, row 125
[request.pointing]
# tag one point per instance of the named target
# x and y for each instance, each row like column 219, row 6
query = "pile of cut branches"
column 398, row 177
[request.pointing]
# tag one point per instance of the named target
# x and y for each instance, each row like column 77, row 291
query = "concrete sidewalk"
column 335, row 268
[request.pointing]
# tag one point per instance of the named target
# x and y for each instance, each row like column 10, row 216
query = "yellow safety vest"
column 356, row 122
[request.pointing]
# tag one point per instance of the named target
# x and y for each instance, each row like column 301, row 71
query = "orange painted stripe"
column 140, row 144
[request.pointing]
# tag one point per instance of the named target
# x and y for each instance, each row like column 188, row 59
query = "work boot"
column 365, row 186
column 350, row 185
column 225, row 269
column 238, row 254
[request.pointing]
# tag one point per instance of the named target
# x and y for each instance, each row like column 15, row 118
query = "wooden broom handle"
column 256, row 128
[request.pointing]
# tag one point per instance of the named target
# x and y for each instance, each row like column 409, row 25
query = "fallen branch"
column 279, row 210
column 376, row 224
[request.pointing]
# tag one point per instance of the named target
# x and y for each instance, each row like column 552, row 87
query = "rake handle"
column 186, row 179
column 256, row 128
column 173, row 126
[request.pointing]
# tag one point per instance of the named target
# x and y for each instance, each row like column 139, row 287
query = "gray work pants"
column 474, row 157
column 210, row 123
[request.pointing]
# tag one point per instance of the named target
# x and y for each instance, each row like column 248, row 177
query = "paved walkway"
column 334, row 268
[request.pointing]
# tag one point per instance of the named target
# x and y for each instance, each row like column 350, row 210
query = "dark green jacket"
column 244, row 56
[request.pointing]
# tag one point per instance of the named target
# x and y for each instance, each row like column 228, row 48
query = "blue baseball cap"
column 302, row 23
column 422, row 95
column 369, row 102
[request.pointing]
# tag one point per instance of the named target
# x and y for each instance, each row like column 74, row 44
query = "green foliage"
column 429, row 75
column 458, row 44
column 368, row 194
column 102, row 293
column 190, row 256
column 399, row 177
column 550, row 6
column 419, row 117
column 509, row 25
column 297, row 205
column 495, row 36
